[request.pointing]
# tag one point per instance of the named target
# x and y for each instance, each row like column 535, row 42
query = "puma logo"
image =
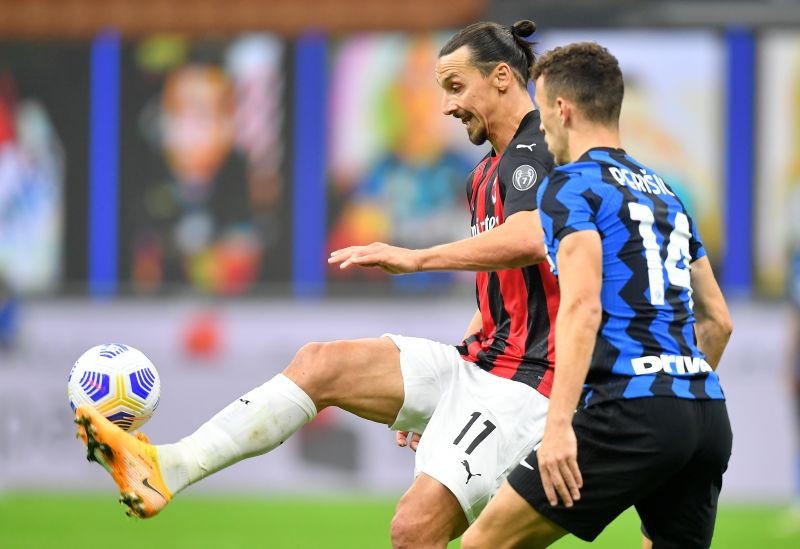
column 245, row 401
column 529, row 147
column 465, row 463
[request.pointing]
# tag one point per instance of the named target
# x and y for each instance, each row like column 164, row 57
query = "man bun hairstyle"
column 586, row 73
column 523, row 28
column 491, row 43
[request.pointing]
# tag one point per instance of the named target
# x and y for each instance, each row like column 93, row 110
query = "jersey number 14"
column 677, row 250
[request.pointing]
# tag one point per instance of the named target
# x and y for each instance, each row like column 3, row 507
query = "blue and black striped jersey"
column 646, row 344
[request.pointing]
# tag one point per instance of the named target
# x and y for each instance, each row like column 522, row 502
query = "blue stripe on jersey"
column 680, row 387
column 646, row 344
column 713, row 388
column 639, row 387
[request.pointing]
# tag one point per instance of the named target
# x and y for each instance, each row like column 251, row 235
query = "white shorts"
column 477, row 426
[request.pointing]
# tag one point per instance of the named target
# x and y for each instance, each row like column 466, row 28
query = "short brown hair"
column 586, row 73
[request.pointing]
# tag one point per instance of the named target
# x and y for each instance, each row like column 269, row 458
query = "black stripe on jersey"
column 537, row 326
column 604, row 352
column 480, row 173
column 594, row 201
column 491, row 183
column 697, row 386
column 497, row 308
column 663, row 384
column 560, row 216
column 486, row 174
column 538, row 320
column 694, row 245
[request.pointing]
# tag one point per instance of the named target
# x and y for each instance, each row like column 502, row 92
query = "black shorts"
column 663, row 455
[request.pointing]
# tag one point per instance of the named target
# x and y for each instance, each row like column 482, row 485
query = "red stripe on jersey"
column 553, row 294
column 475, row 347
column 479, row 188
column 511, row 343
column 515, row 298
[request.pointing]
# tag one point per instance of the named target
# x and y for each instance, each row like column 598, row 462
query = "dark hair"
column 586, row 73
column 492, row 43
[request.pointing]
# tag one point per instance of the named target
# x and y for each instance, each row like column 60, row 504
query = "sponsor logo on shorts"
column 524, row 463
column 470, row 474
column 671, row 364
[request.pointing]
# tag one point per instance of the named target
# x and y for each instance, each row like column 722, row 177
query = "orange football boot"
column 130, row 460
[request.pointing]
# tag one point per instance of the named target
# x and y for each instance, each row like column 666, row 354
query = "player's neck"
column 507, row 122
column 592, row 137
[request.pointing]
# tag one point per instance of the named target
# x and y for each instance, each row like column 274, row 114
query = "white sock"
column 252, row 425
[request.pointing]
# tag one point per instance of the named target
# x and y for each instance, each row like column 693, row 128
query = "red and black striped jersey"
column 518, row 306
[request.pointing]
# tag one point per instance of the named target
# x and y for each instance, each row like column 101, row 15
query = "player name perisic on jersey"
column 671, row 364
column 646, row 182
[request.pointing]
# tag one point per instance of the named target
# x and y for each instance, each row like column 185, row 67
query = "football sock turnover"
column 249, row 426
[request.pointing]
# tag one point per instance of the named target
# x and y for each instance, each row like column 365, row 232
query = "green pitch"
column 31, row 521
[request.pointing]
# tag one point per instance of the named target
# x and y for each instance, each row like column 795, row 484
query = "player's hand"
column 558, row 466
column 403, row 439
column 390, row 259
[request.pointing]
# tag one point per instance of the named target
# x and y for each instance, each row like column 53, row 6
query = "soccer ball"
column 119, row 381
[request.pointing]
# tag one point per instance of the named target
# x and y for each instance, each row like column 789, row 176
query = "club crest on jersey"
column 524, row 177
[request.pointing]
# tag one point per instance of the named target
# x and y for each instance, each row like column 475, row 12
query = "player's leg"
column 481, row 428
column 427, row 516
column 621, row 456
column 510, row 521
column 360, row 376
column 363, row 376
column 682, row 511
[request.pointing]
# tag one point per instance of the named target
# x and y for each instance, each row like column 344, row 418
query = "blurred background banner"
column 202, row 177
column 44, row 119
column 397, row 170
column 777, row 200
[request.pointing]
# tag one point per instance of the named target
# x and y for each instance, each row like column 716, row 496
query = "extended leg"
column 360, row 376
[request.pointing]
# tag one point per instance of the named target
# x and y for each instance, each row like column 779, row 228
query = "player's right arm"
column 518, row 242
column 713, row 324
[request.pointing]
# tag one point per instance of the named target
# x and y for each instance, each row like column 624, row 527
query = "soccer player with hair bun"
column 480, row 403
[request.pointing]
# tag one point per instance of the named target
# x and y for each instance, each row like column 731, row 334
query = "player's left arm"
column 580, row 274
column 713, row 324
column 517, row 242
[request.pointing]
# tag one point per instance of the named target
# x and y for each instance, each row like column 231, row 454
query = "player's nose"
column 448, row 105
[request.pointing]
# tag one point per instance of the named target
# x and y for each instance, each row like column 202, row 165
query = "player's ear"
column 564, row 110
column 502, row 76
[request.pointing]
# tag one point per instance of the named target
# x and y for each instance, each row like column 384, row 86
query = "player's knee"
column 311, row 368
column 411, row 529
column 318, row 368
